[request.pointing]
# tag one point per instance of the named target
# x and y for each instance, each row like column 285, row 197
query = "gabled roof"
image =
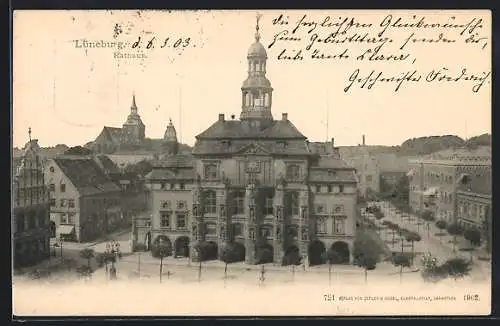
column 86, row 175
column 113, row 134
column 341, row 176
column 331, row 162
column 108, row 165
column 176, row 161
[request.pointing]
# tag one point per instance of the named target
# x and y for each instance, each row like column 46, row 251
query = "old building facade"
column 30, row 223
column 131, row 136
column 435, row 179
column 255, row 182
column 84, row 202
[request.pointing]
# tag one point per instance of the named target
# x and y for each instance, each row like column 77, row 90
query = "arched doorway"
column 52, row 227
column 316, row 252
column 182, row 247
column 292, row 256
column 342, row 249
column 265, row 254
column 239, row 251
column 161, row 244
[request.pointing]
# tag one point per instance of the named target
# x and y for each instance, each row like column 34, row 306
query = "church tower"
column 134, row 131
column 170, row 143
column 256, row 90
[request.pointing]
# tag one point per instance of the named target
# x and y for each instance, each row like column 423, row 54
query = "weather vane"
column 29, row 133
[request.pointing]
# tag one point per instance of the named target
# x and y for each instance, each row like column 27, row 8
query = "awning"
column 65, row 229
column 410, row 173
column 431, row 192
column 463, row 178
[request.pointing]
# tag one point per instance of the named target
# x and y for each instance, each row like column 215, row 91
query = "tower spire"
column 257, row 34
column 29, row 133
column 133, row 108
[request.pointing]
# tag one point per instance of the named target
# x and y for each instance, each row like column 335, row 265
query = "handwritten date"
column 154, row 42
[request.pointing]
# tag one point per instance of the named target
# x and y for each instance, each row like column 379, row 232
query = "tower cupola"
column 256, row 89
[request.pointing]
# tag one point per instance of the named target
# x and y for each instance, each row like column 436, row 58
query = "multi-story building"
column 255, row 182
column 434, row 179
column 31, row 233
column 474, row 201
column 367, row 168
column 84, row 202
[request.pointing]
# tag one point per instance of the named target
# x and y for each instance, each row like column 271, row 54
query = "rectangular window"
column 293, row 172
column 330, row 188
column 210, row 202
column 320, row 209
column 341, row 188
column 181, row 221
column 63, row 203
column 268, row 208
column 52, row 187
column 239, row 202
column 164, row 219
column 63, row 187
column 163, row 185
column 339, row 225
column 52, row 202
column 295, row 203
column 265, row 232
column 64, row 219
column 172, row 186
column 318, row 189
column 71, row 218
column 181, row 186
column 252, row 178
column 211, row 172
column 321, row 226
column 71, row 203
column 368, row 178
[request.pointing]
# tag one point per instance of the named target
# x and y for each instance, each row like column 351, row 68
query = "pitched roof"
column 177, row 161
column 161, row 173
column 226, row 129
column 331, row 162
column 341, row 176
column 113, row 134
column 108, row 165
column 86, row 175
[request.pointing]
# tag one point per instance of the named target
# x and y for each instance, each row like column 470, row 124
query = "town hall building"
column 255, row 182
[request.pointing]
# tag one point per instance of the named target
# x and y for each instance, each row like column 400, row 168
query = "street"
column 439, row 246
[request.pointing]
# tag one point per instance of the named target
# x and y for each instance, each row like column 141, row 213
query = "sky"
column 66, row 94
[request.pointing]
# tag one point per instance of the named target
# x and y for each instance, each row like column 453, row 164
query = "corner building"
column 257, row 182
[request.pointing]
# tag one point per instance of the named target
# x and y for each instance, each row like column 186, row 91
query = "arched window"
column 210, row 202
column 211, row 172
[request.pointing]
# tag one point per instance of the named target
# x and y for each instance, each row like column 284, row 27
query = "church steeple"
column 133, row 107
column 256, row 89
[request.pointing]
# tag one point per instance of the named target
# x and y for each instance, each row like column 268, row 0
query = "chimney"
column 233, row 116
column 221, row 117
column 364, row 143
column 333, row 143
column 284, row 117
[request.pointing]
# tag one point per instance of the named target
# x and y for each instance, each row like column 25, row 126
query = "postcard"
column 251, row 163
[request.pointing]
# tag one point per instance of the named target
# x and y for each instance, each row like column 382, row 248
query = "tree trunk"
column 402, row 245
column 401, row 274
column 88, row 263
column 225, row 271
column 161, row 267
column 293, row 272
column 199, row 272
column 471, row 248
column 139, row 265
column 330, row 273
column 412, row 251
column 454, row 242
column 393, row 237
